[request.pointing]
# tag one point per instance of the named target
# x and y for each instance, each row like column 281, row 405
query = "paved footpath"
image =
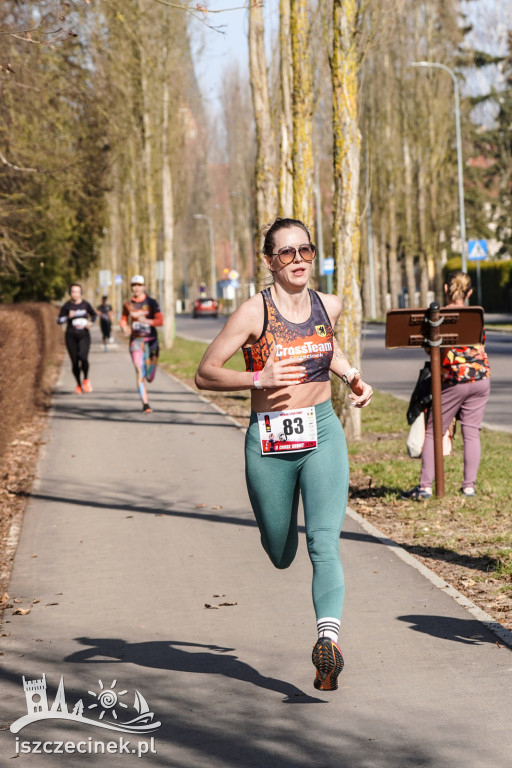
column 135, row 524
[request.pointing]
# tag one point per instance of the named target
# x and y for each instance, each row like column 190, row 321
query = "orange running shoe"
column 329, row 662
column 87, row 386
column 78, row 389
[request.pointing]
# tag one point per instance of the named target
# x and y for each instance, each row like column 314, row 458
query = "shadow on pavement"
column 466, row 631
column 246, row 520
column 170, row 656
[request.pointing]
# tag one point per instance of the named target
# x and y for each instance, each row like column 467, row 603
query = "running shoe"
column 468, row 491
column 86, row 385
column 78, row 389
column 329, row 662
column 146, row 408
column 417, row 494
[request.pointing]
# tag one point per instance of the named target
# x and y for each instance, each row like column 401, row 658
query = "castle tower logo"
column 108, row 708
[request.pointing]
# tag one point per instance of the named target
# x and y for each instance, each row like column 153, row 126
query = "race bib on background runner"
column 141, row 327
column 79, row 323
column 287, row 430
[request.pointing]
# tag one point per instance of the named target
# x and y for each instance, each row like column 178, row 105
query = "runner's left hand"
column 362, row 393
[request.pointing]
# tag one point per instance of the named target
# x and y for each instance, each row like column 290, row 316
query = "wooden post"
column 432, row 328
column 434, row 342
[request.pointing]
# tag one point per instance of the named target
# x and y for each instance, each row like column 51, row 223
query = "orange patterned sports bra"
column 311, row 340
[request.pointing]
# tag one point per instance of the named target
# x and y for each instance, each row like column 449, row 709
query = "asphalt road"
column 395, row 370
column 139, row 573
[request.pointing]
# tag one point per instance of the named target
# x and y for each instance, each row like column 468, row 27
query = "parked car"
column 205, row 307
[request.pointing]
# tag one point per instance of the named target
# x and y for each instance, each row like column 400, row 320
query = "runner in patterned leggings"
column 295, row 444
column 78, row 314
column 139, row 320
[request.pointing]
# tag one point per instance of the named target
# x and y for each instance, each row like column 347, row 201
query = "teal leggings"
column 274, row 483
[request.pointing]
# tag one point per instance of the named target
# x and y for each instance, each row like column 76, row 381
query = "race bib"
column 141, row 327
column 287, row 431
column 79, row 323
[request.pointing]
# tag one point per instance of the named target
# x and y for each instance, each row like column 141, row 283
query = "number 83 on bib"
column 287, row 431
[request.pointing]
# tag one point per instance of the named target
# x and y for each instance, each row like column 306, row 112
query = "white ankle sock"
column 328, row 627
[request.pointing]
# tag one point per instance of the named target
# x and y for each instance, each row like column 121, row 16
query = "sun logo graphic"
column 111, row 711
column 107, row 700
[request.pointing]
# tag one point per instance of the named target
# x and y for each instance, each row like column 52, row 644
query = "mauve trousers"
column 470, row 398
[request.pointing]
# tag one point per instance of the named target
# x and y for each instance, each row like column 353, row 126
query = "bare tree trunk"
column 394, row 274
column 266, row 192
column 383, row 260
column 302, row 108
column 167, row 225
column 134, row 224
column 346, row 161
column 285, row 115
column 150, row 255
column 408, row 252
column 422, row 236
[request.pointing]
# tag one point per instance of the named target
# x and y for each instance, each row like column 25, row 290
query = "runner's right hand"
column 281, row 373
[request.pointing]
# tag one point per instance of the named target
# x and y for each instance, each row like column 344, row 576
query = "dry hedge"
column 29, row 340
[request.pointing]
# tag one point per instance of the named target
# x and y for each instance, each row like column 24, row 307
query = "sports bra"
column 311, row 340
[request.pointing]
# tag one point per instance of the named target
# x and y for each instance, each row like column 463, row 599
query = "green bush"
column 496, row 280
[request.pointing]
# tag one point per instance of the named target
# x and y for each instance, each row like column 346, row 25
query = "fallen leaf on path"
column 207, row 605
column 36, row 600
column 51, row 603
column 21, row 611
column 228, row 603
column 217, row 507
column 218, row 595
column 198, row 506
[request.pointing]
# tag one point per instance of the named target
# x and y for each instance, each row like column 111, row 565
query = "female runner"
column 295, row 443
column 78, row 316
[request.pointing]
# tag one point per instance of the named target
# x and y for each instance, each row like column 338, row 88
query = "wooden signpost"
column 432, row 329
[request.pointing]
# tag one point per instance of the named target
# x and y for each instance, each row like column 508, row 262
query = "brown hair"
column 270, row 233
column 458, row 285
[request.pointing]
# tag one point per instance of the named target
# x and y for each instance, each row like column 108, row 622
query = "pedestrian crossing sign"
column 477, row 250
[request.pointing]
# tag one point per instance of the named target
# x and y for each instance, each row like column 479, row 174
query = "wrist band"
column 352, row 371
column 256, row 380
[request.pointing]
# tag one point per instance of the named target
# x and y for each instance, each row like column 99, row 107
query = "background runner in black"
column 105, row 313
column 78, row 314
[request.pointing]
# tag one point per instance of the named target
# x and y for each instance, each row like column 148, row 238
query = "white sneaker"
column 468, row 491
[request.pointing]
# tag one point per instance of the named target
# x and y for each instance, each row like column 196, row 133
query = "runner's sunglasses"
column 286, row 255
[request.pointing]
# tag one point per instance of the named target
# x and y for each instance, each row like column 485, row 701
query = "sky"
column 214, row 51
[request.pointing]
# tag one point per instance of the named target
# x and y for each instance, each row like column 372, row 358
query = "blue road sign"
column 477, row 250
column 328, row 266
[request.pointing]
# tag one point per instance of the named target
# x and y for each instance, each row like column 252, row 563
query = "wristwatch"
column 351, row 372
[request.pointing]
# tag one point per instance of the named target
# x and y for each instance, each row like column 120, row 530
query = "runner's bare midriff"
column 290, row 398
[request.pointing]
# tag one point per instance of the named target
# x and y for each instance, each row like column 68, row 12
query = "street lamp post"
column 459, row 152
column 212, row 252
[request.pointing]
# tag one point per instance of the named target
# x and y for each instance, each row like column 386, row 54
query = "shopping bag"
column 416, row 437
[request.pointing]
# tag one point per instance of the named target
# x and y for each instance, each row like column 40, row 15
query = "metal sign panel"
column 105, row 277
column 461, row 327
column 328, row 266
column 477, row 250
